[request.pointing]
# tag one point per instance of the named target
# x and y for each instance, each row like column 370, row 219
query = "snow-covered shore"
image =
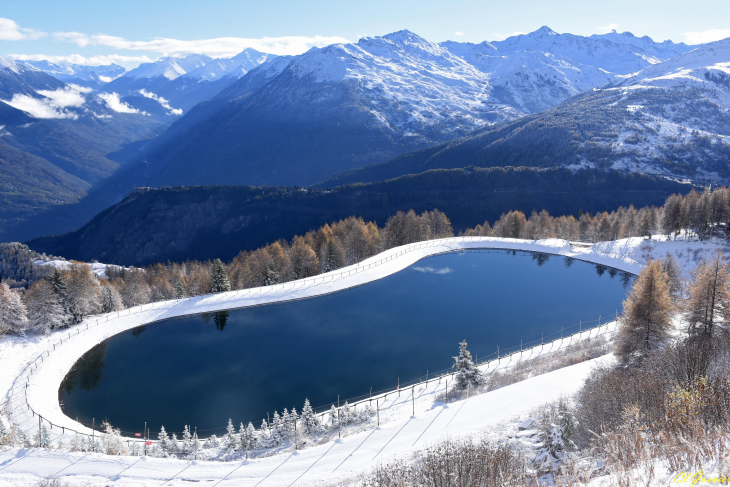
column 40, row 388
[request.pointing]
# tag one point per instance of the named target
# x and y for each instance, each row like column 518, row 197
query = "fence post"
column 413, row 399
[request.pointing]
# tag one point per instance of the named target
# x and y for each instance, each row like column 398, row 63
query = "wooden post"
column 413, row 399
column 447, row 391
column 144, row 438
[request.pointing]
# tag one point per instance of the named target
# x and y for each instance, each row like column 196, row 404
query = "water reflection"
column 88, row 371
column 568, row 261
column 540, row 259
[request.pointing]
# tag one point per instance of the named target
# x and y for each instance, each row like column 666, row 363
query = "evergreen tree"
column 111, row 439
column 674, row 272
column 42, row 438
column 293, row 418
column 45, row 312
column 286, row 426
column 230, row 441
column 110, row 299
column 58, row 284
column 174, row 446
column 645, row 324
column 709, row 296
column 467, row 373
column 187, row 438
column 334, row 419
column 195, row 443
column 13, row 315
column 219, row 278
column 275, row 436
column 310, row 422
column 164, row 441
column 332, row 256
column 180, row 292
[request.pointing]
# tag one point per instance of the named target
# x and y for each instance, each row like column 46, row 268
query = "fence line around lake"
column 18, row 398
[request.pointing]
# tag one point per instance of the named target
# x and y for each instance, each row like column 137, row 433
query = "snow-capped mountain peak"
column 169, row 67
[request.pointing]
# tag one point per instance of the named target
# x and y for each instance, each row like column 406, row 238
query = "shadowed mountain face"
column 153, row 225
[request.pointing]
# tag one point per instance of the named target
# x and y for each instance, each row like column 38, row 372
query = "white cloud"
column 82, row 40
column 706, row 36
column 608, row 28
column 54, row 104
column 113, row 101
column 162, row 101
column 431, row 270
column 125, row 61
column 219, row 47
column 11, row 31
column 458, row 33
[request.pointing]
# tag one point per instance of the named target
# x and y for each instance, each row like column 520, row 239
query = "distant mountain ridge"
column 671, row 118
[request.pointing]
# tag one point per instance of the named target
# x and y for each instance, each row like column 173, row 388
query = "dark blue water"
column 241, row 364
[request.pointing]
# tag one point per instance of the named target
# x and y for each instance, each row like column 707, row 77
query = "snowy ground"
column 31, row 371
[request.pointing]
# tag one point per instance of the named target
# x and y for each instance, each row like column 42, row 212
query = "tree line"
column 67, row 295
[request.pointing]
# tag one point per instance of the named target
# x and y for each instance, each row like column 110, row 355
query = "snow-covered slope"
column 169, row 67
column 236, row 66
column 91, row 76
column 665, row 50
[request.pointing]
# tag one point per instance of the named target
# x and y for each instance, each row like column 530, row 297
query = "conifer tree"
column 673, row 270
column 334, row 420
column 186, row 446
column 58, row 284
column 219, row 278
column 195, row 443
column 310, row 422
column 709, row 296
column 276, row 430
column 45, row 312
column 645, row 324
column 13, row 315
column 293, row 418
column 230, row 441
column 164, row 441
column 110, row 299
column 467, row 373
column 174, row 446
column 180, row 292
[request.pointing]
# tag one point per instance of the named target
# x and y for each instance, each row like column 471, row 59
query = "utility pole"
column 144, row 438
column 413, row 399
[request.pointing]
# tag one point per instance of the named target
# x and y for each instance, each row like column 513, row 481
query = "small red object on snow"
column 138, row 434
column 148, row 443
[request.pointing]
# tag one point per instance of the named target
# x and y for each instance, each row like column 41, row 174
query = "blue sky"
column 133, row 31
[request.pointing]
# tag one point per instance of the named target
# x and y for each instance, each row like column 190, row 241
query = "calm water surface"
column 241, row 364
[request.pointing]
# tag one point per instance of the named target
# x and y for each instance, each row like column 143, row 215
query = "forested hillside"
column 203, row 222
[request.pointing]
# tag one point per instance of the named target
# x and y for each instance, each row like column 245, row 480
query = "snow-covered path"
column 331, row 461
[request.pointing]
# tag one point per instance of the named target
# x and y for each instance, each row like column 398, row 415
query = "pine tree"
column 334, row 419
column 310, row 422
column 13, row 315
column 709, row 296
column 110, row 299
column 180, row 292
column 293, row 418
column 174, row 446
column 467, row 373
column 164, row 441
column 187, row 441
column 42, row 438
column 195, row 443
column 251, row 441
column 58, row 284
column 111, row 439
column 674, row 272
column 275, row 430
column 230, row 441
column 219, row 278
column 45, row 312
column 644, row 326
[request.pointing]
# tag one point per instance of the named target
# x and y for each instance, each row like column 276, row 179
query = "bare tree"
column 709, row 295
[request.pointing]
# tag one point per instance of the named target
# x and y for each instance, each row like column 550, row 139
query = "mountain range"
column 367, row 111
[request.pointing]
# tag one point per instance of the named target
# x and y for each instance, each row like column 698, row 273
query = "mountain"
column 350, row 105
column 671, row 118
column 664, row 50
column 178, row 84
column 205, row 222
column 56, row 141
column 88, row 76
column 19, row 78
